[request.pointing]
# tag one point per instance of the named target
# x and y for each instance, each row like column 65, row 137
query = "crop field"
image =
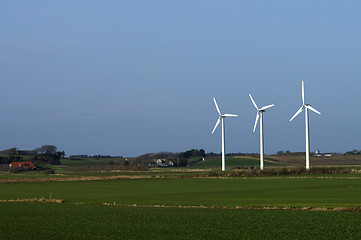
column 183, row 204
column 68, row 221
column 228, row 192
column 336, row 159
column 183, row 208
column 233, row 162
column 88, row 161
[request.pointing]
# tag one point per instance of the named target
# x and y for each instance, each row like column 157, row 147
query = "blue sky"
column 131, row 77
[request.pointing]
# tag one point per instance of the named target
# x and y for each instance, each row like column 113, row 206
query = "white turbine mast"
column 307, row 107
column 259, row 116
column 221, row 117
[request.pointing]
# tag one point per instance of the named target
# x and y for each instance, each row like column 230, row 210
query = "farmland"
column 233, row 162
column 183, row 208
column 299, row 159
column 196, row 202
column 67, row 221
column 229, row 192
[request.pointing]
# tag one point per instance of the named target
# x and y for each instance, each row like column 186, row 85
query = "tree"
column 202, row 153
column 192, row 153
column 182, row 162
column 47, row 149
column 353, row 152
column 48, row 154
column 61, row 154
column 10, row 152
column 49, row 158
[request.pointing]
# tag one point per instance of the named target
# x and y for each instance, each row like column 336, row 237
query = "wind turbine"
column 259, row 116
column 222, row 116
column 307, row 107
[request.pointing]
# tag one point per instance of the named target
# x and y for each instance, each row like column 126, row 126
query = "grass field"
column 231, row 192
column 216, row 163
column 182, row 203
column 83, row 215
column 67, row 221
column 88, row 161
column 299, row 159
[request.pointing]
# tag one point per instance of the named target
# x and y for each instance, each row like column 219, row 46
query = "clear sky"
column 136, row 76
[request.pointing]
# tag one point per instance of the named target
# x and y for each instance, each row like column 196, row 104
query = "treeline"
column 82, row 156
column 282, row 153
column 353, row 152
column 179, row 159
column 44, row 154
column 149, row 158
column 213, row 154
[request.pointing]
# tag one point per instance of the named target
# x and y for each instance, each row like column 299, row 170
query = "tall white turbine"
column 307, row 107
column 259, row 116
column 222, row 116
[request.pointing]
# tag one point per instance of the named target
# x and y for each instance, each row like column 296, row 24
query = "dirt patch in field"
column 289, row 208
column 184, row 170
column 299, row 159
column 125, row 177
column 309, row 208
column 43, row 200
column 71, row 179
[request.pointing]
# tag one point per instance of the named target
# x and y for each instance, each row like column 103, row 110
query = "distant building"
column 164, row 163
column 21, row 165
column 319, row 154
column 159, row 163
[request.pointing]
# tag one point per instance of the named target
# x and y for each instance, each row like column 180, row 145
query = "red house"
column 22, row 164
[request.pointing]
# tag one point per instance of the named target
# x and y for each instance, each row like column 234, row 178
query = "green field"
column 294, row 192
column 88, row 162
column 68, row 221
column 129, row 209
column 216, row 163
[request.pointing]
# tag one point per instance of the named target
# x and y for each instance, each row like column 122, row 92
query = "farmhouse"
column 22, row 165
column 319, row 154
column 164, row 163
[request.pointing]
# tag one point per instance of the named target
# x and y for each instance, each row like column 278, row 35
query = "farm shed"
column 22, row 165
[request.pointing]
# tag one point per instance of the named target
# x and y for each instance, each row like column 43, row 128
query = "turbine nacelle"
column 221, row 116
column 304, row 105
column 259, row 110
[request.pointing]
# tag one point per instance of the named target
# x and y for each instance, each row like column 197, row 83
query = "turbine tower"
column 307, row 107
column 222, row 116
column 259, row 116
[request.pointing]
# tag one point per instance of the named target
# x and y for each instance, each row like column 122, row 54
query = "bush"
column 107, row 168
column 15, row 170
column 4, row 168
column 212, row 174
column 49, row 171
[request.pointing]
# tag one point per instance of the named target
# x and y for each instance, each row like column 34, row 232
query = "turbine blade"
column 303, row 93
column 218, row 121
column 215, row 103
column 265, row 107
column 255, row 123
column 312, row 109
column 229, row 115
column 298, row 112
column 254, row 103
